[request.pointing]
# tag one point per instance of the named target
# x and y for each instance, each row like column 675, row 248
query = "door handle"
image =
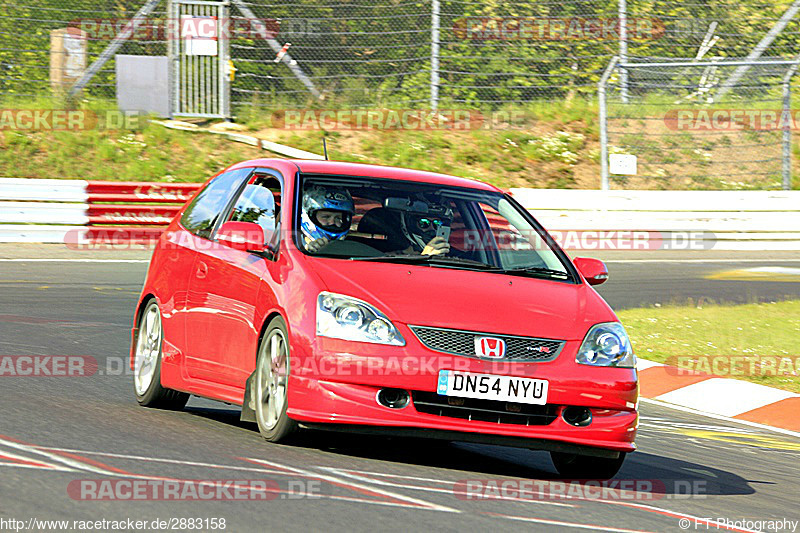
column 202, row 270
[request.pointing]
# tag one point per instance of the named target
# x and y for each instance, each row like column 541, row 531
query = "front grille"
column 484, row 410
column 457, row 342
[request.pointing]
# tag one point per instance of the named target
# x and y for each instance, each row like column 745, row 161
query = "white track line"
column 34, row 467
column 655, row 422
column 720, row 417
column 695, row 520
column 561, row 523
column 398, row 476
column 33, row 463
column 451, row 491
column 410, row 502
column 90, row 468
column 648, row 508
column 159, row 460
column 775, row 270
column 71, row 463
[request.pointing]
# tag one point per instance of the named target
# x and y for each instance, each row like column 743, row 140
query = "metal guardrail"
column 722, row 220
column 69, row 211
column 78, row 211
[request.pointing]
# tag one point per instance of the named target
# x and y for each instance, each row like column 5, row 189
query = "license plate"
column 492, row 387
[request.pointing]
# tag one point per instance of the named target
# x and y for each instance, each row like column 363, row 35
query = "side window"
column 504, row 234
column 516, row 242
column 505, row 238
column 260, row 202
column 204, row 211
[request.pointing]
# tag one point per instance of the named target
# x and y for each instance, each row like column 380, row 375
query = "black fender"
column 249, row 405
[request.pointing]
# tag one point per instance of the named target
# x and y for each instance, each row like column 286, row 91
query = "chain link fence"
column 365, row 53
column 689, row 128
column 723, row 28
column 25, row 34
column 477, row 55
column 709, row 105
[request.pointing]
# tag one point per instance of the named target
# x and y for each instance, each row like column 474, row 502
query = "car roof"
column 342, row 168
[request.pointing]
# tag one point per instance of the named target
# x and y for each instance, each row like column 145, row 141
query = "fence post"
column 786, row 123
column 787, row 138
column 434, row 55
column 172, row 62
column 623, row 49
column 224, row 81
column 601, row 96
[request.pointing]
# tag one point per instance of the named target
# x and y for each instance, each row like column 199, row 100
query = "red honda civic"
column 336, row 296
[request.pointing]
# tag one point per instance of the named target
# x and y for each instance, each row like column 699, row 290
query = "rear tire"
column 573, row 466
column 271, row 383
column 147, row 364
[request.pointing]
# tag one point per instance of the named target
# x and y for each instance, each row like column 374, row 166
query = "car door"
column 222, row 325
column 180, row 253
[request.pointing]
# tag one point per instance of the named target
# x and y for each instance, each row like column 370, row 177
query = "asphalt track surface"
column 56, row 430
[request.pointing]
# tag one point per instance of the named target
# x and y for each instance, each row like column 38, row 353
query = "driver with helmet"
column 326, row 216
column 327, row 213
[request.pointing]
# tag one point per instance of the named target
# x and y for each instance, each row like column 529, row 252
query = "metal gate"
column 199, row 57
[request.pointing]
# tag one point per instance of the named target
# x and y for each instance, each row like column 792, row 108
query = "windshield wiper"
column 537, row 271
column 444, row 260
column 430, row 260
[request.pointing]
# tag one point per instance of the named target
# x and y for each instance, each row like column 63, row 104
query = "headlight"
column 607, row 344
column 343, row 317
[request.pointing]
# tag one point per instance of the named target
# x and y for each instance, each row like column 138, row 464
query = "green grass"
column 663, row 334
column 146, row 152
column 550, row 144
column 530, row 153
column 536, row 145
column 152, row 154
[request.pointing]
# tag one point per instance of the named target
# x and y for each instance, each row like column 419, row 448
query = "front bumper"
column 330, row 386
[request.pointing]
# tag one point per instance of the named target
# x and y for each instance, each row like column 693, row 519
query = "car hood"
column 468, row 300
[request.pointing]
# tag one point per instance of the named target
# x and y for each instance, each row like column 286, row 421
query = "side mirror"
column 593, row 270
column 244, row 236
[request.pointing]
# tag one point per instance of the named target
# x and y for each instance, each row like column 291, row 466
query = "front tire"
column 147, row 364
column 573, row 466
column 272, row 383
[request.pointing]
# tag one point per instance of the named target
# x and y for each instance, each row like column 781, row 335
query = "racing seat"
column 383, row 225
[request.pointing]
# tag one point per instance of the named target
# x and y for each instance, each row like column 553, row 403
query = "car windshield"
column 372, row 219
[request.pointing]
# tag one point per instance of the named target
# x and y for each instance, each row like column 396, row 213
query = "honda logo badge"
column 490, row 347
